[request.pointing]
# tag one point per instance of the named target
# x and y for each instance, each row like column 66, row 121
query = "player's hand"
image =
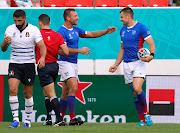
column 147, row 58
column 41, row 63
column 85, row 50
column 110, row 30
column 7, row 39
column 113, row 68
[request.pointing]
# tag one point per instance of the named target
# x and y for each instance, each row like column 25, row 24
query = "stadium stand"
column 136, row 3
column 106, row 3
column 161, row 3
column 55, row 3
column 13, row 3
column 80, row 3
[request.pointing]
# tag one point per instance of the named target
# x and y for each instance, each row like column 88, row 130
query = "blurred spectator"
column 4, row 3
column 36, row 3
column 23, row 3
column 177, row 2
column 28, row 3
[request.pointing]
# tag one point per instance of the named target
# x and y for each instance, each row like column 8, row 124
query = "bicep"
column 89, row 34
column 149, row 41
column 40, row 43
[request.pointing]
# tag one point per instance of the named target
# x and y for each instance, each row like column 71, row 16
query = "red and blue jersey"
column 71, row 37
column 133, row 39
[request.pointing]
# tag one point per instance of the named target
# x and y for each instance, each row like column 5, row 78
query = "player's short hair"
column 67, row 12
column 44, row 18
column 128, row 10
column 19, row 13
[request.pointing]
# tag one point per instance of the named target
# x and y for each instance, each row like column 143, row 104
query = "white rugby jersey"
column 23, row 43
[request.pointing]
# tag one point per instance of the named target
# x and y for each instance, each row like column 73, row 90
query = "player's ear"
column 25, row 18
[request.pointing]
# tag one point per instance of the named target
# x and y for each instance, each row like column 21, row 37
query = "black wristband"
column 152, row 54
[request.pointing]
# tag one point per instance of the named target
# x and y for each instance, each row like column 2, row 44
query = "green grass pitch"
column 92, row 128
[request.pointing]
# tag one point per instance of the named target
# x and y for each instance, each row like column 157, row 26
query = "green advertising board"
column 99, row 99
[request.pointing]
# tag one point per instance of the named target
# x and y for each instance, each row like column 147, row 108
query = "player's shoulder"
column 11, row 27
column 32, row 27
column 76, row 28
column 123, row 28
column 139, row 24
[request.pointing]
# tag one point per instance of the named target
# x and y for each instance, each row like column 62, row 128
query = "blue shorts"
column 24, row 72
column 48, row 74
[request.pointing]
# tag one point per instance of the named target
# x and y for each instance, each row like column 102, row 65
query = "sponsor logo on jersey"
column 70, row 37
column 14, row 34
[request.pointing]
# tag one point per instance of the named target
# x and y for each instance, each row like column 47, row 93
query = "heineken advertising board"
column 99, row 99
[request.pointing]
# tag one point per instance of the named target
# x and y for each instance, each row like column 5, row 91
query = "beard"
column 20, row 26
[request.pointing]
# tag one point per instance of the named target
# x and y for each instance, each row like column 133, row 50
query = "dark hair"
column 67, row 12
column 44, row 18
column 19, row 13
column 128, row 10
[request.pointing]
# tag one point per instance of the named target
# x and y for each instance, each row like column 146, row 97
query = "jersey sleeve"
column 121, row 35
column 82, row 33
column 61, row 39
column 8, row 31
column 62, row 34
column 37, row 34
column 145, row 33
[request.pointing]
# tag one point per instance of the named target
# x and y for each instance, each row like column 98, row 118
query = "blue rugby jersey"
column 133, row 39
column 71, row 37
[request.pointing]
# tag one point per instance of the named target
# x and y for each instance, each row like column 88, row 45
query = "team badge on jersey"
column 27, row 34
column 133, row 32
column 11, row 73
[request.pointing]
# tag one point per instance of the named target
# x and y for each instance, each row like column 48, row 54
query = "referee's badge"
column 11, row 73
column 27, row 34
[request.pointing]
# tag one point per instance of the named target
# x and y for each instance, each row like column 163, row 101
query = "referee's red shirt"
column 52, row 40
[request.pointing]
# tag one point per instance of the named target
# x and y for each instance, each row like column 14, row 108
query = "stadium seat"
column 155, row 3
column 106, row 3
column 55, row 3
column 136, row 3
column 80, row 3
column 13, row 3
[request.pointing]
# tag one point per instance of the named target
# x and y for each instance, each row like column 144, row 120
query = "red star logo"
column 81, row 87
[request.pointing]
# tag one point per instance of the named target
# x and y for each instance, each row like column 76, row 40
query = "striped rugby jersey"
column 23, row 43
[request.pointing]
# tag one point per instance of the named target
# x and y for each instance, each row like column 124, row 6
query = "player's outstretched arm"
column 5, row 43
column 83, row 50
column 151, row 44
column 100, row 33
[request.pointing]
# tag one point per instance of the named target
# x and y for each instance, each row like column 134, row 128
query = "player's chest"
column 22, row 37
column 130, row 35
column 73, row 36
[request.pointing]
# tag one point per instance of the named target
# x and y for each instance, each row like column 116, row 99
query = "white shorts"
column 134, row 69
column 67, row 70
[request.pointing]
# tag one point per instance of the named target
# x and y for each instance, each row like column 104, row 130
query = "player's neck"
column 68, row 25
column 131, row 23
column 44, row 27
